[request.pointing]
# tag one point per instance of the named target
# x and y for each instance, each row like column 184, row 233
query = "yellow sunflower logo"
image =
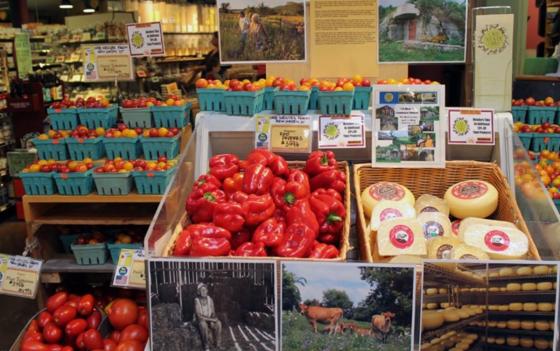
column 137, row 40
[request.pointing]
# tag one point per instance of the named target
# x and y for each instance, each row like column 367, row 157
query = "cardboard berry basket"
column 435, row 181
column 344, row 239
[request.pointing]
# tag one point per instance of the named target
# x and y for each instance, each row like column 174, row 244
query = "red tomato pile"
column 70, row 322
column 261, row 207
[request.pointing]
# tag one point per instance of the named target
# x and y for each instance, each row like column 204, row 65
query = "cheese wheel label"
column 496, row 240
column 386, row 191
column 469, row 190
column 444, row 251
column 429, row 209
column 401, row 236
column 390, row 213
column 455, row 226
column 432, row 229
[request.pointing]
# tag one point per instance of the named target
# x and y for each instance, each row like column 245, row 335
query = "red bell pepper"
column 240, row 238
column 190, row 239
column 202, row 247
column 321, row 250
column 202, row 201
column 301, row 212
column 257, row 179
column 277, row 190
column 285, row 194
column 258, row 209
column 276, row 163
column 329, row 211
column 251, row 249
column 207, row 179
column 332, row 179
column 239, row 197
column 224, row 165
column 330, row 192
column 270, row 232
column 233, row 183
column 319, row 162
column 329, row 238
column 298, row 241
column 229, row 215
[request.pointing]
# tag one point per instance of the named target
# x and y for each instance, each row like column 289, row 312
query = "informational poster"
column 422, row 31
column 342, row 132
column 286, row 134
column 145, row 39
column 493, row 60
column 471, row 126
column 108, row 62
column 343, row 38
column 19, row 276
column 24, row 62
column 408, row 129
column 130, row 271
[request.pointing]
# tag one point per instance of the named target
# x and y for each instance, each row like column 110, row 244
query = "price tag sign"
column 468, row 126
column 131, row 270
column 145, row 39
column 342, row 132
column 107, row 63
column 19, row 276
column 285, row 134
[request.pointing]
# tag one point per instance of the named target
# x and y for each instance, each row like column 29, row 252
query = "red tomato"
column 122, row 312
column 75, row 327
column 67, row 348
column 44, row 318
column 54, row 347
column 115, row 336
column 142, row 317
column 80, row 342
column 73, row 304
column 32, row 345
column 32, row 335
column 94, row 320
column 52, row 333
column 33, row 325
column 93, row 339
column 130, row 345
column 85, row 306
column 56, row 301
column 134, row 332
column 63, row 315
column 109, row 345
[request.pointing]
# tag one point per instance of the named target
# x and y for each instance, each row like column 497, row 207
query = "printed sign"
column 131, row 269
column 342, row 132
column 24, row 62
column 19, row 276
column 108, row 63
column 145, row 39
column 407, row 126
column 471, row 126
column 288, row 134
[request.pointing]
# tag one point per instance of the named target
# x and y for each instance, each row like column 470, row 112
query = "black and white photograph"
column 212, row 305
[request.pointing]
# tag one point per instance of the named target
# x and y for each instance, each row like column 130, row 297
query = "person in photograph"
column 258, row 32
column 244, row 23
column 209, row 325
column 429, row 141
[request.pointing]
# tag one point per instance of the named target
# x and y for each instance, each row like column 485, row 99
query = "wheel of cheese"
column 471, row 198
column 542, row 325
column 494, row 289
column 530, row 307
column 442, row 291
column 503, row 308
column 498, row 242
column 434, row 224
column 432, row 320
column 463, row 314
column 386, row 210
column 545, row 307
column 515, row 306
column 506, row 272
column 554, row 268
column 526, row 342
column 432, row 306
column 428, row 203
column 501, row 325
column 440, row 247
column 512, row 341
column 541, row 344
column 435, row 341
column 431, row 291
column 491, row 340
column 544, row 286
column 384, row 191
column 527, row 325
column 401, row 236
column 467, row 222
column 500, row 341
column 451, row 316
column 406, row 259
column 503, row 289
column 425, row 346
column 493, row 307
column 524, row 270
column 551, row 325
column 528, row 286
column 494, row 274
column 445, row 305
column 514, row 324
column 541, row 270
column 467, row 252
column 513, row 287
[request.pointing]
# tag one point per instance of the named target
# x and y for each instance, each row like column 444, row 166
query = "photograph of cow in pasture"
column 346, row 306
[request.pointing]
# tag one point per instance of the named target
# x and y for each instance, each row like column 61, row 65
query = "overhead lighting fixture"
column 66, row 4
column 88, row 8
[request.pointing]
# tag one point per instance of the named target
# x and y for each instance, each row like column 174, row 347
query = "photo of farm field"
column 346, row 307
column 261, row 30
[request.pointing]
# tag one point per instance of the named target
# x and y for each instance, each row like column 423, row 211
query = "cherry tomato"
column 75, row 327
column 142, row 317
column 122, row 312
column 94, row 320
column 80, row 345
column 130, row 345
column 52, row 333
column 115, row 336
column 63, row 315
column 33, row 345
column 56, row 301
column 44, row 318
column 86, row 304
column 109, row 345
column 54, row 347
column 93, row 339
column 134, row 332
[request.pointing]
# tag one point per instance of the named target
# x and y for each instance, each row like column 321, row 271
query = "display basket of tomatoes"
column 314, row 98
column 171, row 116
column 545, row 141
column 153, row 182
column 90, row 254
column 268, row 98
column 51, row 149
column 74, row 183
column 113, row 183
column 243, row 103
column 115, row 249
column 210, row 99
column 362, row 98
column 63, row 119
column 125, row 148
column 137, row 117
column 519, row 113
column 290, row 102
column 336, row 102
column 155, row 147
column 80, row 148
column 541, row 114
column 526, row 139
column 38, row 183
column 104, row 117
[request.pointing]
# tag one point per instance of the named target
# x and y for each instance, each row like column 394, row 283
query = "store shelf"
column 94, row 198
column 510, row 348
column 521, row 314
column 187, row 59
column 188, row 33
column 442, row 276
column 523, row 293
column 69, row 265
column 451, row 326
column 523, row 277
column 506, row 331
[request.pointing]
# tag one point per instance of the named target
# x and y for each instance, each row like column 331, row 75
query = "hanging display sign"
column 108, row 63
column 471, row 126
column 130, row 271
column 408, row 128
column 24, row 62
column 284, row 134
column 19, row 276
column 342, row 132
column 145, row 39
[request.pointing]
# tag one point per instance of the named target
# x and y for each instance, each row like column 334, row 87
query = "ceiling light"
column 66, row 4
column 88, row 8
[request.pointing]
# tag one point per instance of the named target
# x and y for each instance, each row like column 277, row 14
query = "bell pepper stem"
column 289, row 198
column 333, row 218
column 208, row 196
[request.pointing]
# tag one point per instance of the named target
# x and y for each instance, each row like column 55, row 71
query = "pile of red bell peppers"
column 261, row 207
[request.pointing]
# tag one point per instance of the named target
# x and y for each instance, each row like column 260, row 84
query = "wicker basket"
column 436, row 182
column 344, row 239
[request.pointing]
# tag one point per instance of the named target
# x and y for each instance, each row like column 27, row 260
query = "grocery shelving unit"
column 460, row 325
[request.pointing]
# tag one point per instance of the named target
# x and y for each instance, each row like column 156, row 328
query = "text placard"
column 145, row 39
column 131, row 270
column 19, row 276
column 342, row 132
column 108, row 63
column 287, row 134
column 471, row 126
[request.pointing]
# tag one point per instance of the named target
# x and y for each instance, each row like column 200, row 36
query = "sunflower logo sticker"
column 137, row 40
column 331, row 131
column 461, row 126
column 493, row 39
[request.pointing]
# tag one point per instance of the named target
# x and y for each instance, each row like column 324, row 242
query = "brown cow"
column 361, row 331
column 324, row 315
column 381, row 325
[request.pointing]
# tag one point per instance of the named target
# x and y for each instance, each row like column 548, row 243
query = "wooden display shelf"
column 460, row 325
column 53, row 268
column 511, row 348
column 524, row 277
column 438, row 275
column 516, row 332
column 521, row 314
